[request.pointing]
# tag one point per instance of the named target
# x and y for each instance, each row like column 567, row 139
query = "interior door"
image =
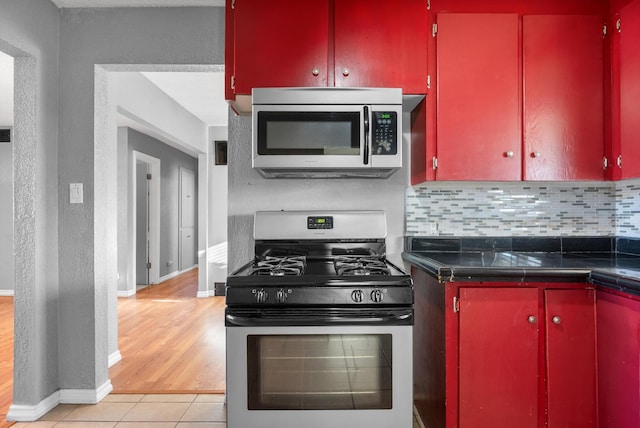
column 187, row 218
column 142, row 223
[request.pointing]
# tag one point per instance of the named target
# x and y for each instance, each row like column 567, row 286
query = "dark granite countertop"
column 611, row 262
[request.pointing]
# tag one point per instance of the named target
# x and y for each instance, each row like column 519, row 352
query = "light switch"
column 75, row 193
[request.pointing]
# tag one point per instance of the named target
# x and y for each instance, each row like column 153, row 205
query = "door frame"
column 154, row 219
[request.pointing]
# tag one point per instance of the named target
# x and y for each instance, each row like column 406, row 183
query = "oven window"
column 308, row 133
column 319, row 372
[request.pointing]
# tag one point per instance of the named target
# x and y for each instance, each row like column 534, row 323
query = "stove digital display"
column 320, row 222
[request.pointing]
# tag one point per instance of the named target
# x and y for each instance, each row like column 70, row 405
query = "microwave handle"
column 366, row 135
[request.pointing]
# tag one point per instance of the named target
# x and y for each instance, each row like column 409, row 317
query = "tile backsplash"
column 523, row 209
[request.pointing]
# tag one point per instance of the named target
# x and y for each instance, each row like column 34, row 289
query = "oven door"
column 319, row 376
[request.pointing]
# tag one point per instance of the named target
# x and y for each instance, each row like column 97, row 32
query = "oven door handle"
column 276, row 318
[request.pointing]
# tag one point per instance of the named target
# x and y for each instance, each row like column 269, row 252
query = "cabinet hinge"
column 434, row 162
column 604, row 30
column 456, row 305
column 618, row 25
column 434, row 30
column 428, row 4
column 233, row 4
column 149, row 265
column 148, row 176
column 619, row 161
column 605, row 162
column 428, row 81
column 233, row 82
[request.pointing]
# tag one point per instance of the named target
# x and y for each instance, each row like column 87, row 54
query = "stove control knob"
column 281, row 296
column 377, row 296
column 261, row 295
column 357, row 296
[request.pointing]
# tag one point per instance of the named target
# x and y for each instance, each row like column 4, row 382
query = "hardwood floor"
column 170, row 341
column 6, row 357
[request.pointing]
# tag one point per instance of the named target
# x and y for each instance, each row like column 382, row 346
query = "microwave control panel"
column 385, row 126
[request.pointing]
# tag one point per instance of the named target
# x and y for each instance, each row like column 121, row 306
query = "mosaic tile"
column 524, row 209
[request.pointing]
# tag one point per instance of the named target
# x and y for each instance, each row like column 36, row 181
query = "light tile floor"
column 141, row 411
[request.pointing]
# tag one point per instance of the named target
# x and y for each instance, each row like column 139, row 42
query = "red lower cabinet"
column 571, row 358
column 498, row 357
column 522, row 347
column 618, row 361
column 507, row 355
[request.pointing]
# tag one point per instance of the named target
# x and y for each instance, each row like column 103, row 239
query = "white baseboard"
column 126, row 293
column 176, row 273
column 6, row 293
column 26, row 413
column 207, row 293
column 85, row 396
column 30, row 413
column 114, row 358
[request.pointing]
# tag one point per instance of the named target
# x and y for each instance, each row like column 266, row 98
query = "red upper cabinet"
column 519, row 97
column 478, row 97
column 279, row 43
column 628, row 156
column 353, row 43
column 381, row 44
column 563, row 97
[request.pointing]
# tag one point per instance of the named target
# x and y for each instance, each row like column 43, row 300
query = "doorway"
column 145, row 218
column 6, row 174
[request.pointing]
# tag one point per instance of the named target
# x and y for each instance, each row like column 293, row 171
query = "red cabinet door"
column 571, row 358
column 381, row 44
column 618, row 324
column 498, row 357
column 478, row 105
column 630, row 89
column 563, row 97
column 280, row 43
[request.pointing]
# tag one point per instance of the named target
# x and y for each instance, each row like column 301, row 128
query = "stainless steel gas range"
column 319, row 325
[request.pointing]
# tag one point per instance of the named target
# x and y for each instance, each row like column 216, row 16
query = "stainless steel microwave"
column 327, row 132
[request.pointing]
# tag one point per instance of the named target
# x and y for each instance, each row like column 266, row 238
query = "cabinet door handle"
column 508, row 154
column 532, row 319
column 345, row 72
column 556, row 320
column 315, row 71
column 535, row 154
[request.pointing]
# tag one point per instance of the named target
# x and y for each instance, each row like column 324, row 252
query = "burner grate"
column 351, row 266
column 279, row 266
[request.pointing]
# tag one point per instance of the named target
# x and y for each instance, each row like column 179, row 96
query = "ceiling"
column 136, row 3
column 201, row 93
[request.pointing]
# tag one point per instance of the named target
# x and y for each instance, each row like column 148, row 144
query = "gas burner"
column 279, row 266
column 351, row 266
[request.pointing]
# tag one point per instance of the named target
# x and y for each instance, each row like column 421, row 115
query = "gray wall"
column 250, row 192
column 60, row 302
column 29, row 32
column 170, row 160
column 106, row 36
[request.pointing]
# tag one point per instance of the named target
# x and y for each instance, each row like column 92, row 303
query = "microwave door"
column 310, row 137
